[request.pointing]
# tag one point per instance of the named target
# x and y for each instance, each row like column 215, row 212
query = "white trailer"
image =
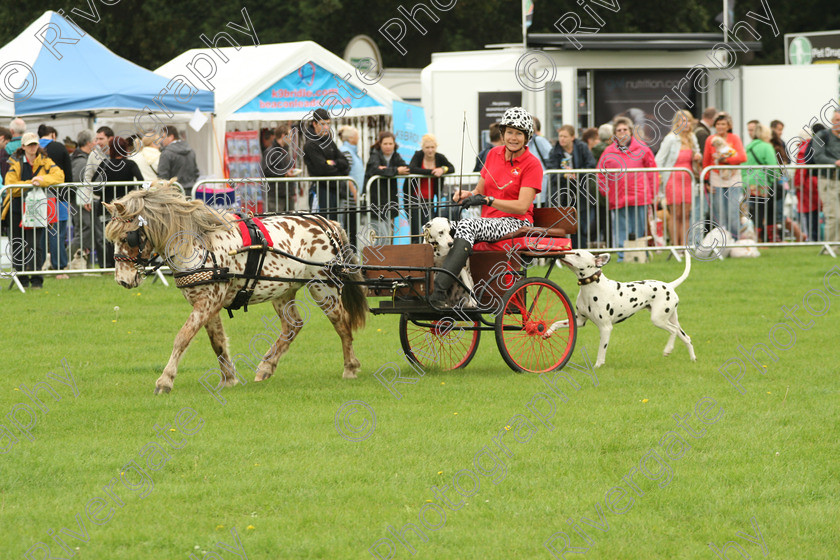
column 568, row 87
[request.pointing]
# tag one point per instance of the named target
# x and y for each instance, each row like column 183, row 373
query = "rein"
column 140, row 263
column 206, row 275
column 261, row 246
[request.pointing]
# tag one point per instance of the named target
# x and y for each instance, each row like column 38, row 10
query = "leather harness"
column 257, row 242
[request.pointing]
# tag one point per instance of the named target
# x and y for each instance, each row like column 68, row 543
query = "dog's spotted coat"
column 607, row 302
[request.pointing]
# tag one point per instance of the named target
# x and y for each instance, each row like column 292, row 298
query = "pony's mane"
column 171, row 221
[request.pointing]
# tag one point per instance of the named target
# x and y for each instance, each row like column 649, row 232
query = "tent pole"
column 216, row 143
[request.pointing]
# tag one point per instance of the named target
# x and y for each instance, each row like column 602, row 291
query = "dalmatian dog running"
column 438, row 232
column 606, row 302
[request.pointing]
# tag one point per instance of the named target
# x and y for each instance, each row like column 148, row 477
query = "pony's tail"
column 353, row 295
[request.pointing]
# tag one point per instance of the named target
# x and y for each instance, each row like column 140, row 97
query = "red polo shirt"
column 503, row 179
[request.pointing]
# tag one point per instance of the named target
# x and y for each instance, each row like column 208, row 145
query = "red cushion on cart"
column 526, row 244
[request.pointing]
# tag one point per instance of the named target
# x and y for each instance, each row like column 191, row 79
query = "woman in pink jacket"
column 629, row 193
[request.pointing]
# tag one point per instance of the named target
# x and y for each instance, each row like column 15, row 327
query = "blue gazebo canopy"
column 53, row 68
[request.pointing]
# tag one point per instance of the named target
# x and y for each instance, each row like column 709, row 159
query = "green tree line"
column 152, row 32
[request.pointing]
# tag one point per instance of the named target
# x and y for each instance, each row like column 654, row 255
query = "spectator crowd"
column 609, row 174
column 46, row 226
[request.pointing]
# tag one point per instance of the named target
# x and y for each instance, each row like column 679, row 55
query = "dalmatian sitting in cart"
column 439, row 234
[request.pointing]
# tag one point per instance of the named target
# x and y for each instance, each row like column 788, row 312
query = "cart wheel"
column 439, row 344
column 536, row 330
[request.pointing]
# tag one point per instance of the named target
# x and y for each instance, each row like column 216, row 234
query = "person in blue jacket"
column 349, row 137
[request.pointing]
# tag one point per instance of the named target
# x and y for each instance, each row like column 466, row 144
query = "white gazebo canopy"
column 279, row 82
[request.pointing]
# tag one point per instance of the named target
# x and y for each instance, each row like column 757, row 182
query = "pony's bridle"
column 137, row 239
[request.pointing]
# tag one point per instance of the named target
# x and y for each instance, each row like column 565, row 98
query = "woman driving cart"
column 510, row 180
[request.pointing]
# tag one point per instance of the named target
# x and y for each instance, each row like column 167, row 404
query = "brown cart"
column 533, row 318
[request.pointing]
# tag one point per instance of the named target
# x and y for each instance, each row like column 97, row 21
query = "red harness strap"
column 264, row 231
column 252, row 231
column 246, row 236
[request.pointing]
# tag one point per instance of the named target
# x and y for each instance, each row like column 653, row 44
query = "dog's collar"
column 594, row 278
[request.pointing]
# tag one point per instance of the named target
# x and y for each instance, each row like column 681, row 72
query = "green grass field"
column 270, row 463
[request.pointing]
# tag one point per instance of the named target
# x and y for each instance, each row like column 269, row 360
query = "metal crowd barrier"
column 410, row 197
column 782, row 202
column 65, row 235
column 368, row 215
column 332, row 196
column 670, row 217
column 373, row 209
column 606, row 220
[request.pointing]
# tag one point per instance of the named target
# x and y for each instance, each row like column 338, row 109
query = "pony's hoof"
column 230, row 382
column 263, row 373
column 349, row 375
column 159, row 390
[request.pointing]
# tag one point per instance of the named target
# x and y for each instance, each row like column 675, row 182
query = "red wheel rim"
column 440, row 344
column 529, row 315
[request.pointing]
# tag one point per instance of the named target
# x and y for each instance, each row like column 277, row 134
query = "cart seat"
column 529, row 243
column 549, row 234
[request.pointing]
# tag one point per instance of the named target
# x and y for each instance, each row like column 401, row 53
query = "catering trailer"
column 646, row 78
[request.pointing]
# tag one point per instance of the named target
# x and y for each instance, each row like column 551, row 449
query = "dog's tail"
column 682, row 278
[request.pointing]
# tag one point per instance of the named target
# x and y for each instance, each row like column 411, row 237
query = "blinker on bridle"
column 137, row 239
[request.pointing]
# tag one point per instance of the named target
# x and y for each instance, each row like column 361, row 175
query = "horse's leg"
column 202, row 311
column 328, row 299
column 219, row 342
column 291, row 323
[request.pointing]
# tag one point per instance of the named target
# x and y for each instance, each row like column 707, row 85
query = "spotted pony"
column 189, row 236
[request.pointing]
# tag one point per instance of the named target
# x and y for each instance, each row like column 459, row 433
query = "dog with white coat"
column 440, row 234
column 78, row 262
column 745, row 246
column 719, row 243
column 606, row 302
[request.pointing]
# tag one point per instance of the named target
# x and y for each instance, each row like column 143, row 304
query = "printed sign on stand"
column 242, row 160
column 409, row 127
